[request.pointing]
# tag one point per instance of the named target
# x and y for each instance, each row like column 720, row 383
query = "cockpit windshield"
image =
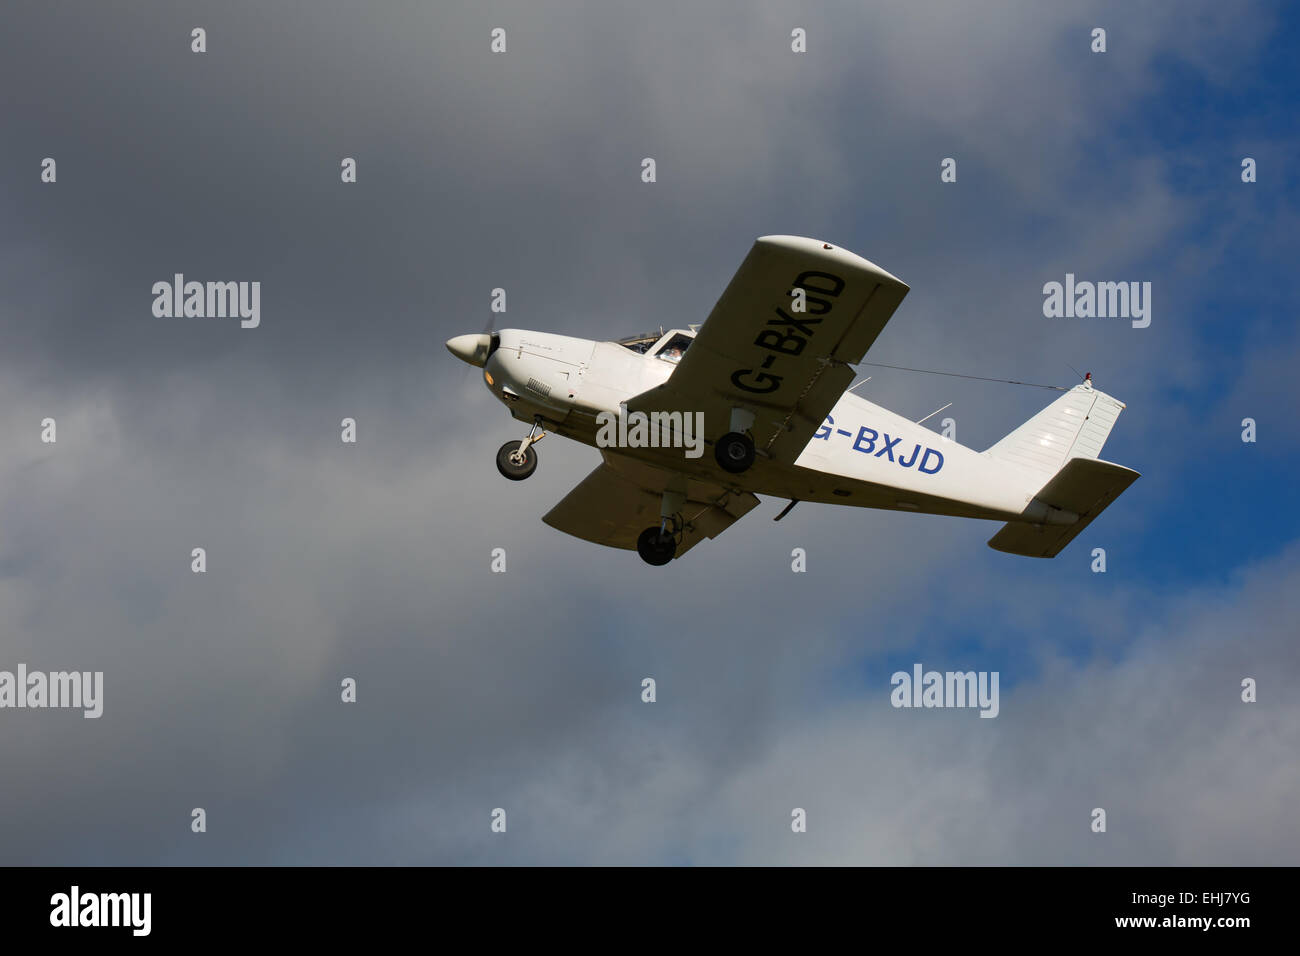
column 640, row 343
column 675, row 344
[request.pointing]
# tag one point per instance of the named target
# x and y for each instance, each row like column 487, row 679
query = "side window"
column 674, row 348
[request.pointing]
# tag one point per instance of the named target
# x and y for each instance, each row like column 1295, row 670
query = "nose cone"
column 471, row 348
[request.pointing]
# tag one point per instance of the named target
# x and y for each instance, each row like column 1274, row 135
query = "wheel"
column 655, row 547
column 734, row 452
column 512, row 466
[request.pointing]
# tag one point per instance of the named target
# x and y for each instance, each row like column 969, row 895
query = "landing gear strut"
column 517, row 460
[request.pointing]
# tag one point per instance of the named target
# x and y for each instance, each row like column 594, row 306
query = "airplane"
column 766, row 375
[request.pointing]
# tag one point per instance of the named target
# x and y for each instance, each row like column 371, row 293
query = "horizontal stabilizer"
column 1084, row 486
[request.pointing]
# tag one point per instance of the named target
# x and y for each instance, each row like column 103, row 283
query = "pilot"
column 673, row 355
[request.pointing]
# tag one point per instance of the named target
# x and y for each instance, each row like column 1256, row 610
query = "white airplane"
column 768, row 371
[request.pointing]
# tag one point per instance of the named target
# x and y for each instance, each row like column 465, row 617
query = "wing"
column 620, row 499
column 757, row 353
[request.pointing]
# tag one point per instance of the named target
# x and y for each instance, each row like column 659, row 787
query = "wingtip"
column 819, row 247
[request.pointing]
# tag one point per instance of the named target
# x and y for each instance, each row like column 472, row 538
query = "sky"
column 522, row 690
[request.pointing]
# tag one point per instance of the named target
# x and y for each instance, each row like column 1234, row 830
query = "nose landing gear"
column 517, row 460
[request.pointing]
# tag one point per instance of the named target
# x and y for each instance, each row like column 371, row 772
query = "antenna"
column 978, row 378
column 933, row 413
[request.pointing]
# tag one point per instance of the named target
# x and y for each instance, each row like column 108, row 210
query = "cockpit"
column 667, row 346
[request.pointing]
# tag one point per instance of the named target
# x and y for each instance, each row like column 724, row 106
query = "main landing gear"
column 658, row 544
column 735, row 450
column 516, row 459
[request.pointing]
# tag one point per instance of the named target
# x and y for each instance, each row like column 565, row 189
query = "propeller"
column 473, row 349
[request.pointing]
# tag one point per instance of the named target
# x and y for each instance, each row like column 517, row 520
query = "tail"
column 1059, row 446
column 1074, row 426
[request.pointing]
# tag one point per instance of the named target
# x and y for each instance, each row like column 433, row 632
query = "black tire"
column 513, row 471
column 655, row 547
column 734, row 452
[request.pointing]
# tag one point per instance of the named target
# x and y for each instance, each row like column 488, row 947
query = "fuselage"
column 862, row 455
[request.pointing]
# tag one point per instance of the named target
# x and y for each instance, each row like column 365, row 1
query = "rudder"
column 1076, row 425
